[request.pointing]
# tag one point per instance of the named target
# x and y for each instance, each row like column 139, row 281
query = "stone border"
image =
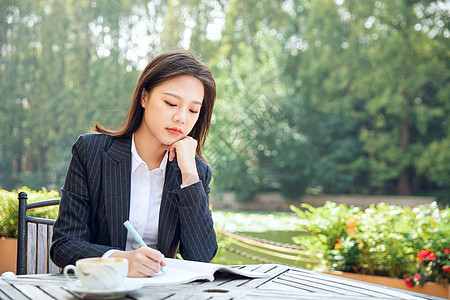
column 275, row 202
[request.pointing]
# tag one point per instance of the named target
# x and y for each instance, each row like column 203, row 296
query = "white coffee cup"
column 99, row 274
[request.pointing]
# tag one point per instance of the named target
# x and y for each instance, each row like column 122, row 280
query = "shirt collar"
column 136, row 160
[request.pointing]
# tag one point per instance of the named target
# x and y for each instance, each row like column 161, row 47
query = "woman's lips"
column 174, row 131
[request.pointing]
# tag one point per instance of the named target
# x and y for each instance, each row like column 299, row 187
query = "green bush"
column 9, row 208
column 381, row 240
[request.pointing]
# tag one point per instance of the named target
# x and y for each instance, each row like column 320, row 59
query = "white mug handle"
column 67, row 269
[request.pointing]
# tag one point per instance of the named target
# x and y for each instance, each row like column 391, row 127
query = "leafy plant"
column 381, row 240
column 9, row 208
column 433, row 267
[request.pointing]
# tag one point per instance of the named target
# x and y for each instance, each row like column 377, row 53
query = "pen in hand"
column 137, row 237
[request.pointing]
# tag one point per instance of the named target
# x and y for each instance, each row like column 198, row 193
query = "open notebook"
column 183, row 271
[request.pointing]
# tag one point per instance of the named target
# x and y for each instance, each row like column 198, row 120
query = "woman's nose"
column 180, row 116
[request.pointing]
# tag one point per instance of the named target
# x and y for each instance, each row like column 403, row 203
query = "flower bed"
column 9, row 208
column 381, row 240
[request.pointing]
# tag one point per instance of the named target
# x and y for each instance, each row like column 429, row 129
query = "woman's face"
column 171, row 109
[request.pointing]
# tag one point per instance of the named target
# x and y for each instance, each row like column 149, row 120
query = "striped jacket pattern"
column 95, row 201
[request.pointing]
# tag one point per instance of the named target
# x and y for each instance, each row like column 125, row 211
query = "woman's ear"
column 144, row 95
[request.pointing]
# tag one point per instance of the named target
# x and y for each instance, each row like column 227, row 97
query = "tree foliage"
column 345, row 96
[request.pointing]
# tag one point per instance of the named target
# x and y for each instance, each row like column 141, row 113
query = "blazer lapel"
column 168, row 213
column 116, row 172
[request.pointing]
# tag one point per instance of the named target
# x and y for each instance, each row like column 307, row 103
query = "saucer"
column 128, row 285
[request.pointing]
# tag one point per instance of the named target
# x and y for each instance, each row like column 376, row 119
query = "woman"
column 150, row 171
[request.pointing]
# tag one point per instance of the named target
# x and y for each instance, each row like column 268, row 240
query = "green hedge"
column 9, row 208
column 381, row 240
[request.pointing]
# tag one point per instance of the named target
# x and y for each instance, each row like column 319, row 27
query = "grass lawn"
column 275, row 227
column 241, row 221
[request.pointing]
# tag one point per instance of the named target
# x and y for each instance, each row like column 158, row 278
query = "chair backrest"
column 34, row 239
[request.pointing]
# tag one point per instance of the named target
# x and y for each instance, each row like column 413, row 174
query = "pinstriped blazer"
column 95, row 201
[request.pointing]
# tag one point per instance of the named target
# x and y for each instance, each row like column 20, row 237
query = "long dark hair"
column 163, row 67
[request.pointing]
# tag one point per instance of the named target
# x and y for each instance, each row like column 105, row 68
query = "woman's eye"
column 170, row 104
column 194, row 111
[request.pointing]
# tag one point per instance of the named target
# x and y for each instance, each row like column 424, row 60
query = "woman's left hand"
column 185, row 149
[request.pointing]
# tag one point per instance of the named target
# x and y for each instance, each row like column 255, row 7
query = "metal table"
column 284, row 283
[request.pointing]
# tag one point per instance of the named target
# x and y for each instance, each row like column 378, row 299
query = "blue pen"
column 137, row 237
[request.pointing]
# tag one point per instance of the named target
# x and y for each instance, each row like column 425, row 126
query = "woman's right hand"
column 142, row 262
column 184, row 149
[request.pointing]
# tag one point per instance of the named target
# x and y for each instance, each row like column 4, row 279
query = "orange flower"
column 338, row 246
column 432, row 223
column 351, row 230
column 447, row 251
column 351, row 222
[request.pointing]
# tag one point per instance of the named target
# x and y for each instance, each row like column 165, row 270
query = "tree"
column 345, row 95
column 403, row 94
column 367, row 65
column 53, row 84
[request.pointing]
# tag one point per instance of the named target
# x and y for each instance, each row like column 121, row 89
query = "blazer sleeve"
column 71, row 232
column 197, row 235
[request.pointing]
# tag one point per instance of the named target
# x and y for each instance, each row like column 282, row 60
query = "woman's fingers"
column 186, row 145
column 148, row 268
column 148, row 261
column 172, row 152
column 142, row 262
column 185, row 150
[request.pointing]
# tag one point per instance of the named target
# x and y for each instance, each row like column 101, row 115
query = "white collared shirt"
column 145, row 201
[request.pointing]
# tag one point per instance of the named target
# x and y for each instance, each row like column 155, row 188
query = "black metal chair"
column 34, row 239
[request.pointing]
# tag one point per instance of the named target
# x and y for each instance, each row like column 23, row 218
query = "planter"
column 431, row 289
column 8, row 257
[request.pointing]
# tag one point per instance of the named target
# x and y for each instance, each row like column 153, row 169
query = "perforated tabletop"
column 284, row 283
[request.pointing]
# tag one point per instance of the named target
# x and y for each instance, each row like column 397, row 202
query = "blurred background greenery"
column 382, row 240
column 348, row 96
